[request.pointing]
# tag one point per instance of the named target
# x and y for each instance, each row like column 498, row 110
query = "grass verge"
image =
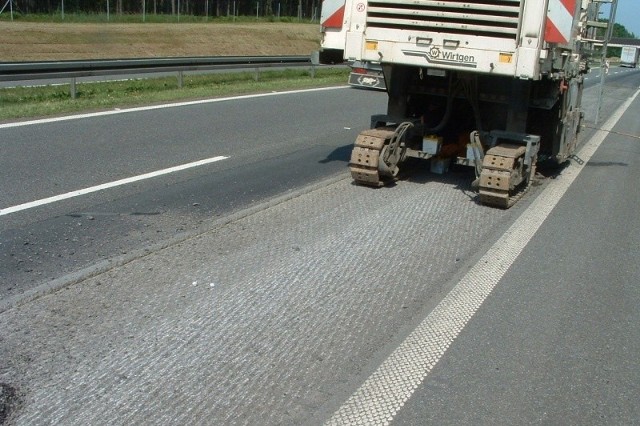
column 31, row 102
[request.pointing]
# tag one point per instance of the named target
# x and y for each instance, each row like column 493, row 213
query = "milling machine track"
column 365, row 157
column 505, row 178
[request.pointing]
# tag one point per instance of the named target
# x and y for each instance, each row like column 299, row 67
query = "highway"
column 273, row 144
column 262, row 287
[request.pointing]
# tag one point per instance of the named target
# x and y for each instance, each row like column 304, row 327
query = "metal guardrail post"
column 180, row 79
column 72, row 88
column 315, row 60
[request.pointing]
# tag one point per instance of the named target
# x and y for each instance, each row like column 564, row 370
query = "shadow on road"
column 342, row 153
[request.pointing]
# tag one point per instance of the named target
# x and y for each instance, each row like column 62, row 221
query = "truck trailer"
column 629, row 56
column 492, row 84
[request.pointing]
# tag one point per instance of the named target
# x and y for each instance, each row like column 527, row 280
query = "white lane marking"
column 108, row 185
column 384, row 393
column 153, row 107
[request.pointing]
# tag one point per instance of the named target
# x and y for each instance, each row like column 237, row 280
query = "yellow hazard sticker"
column 371, row 45
column 506, row 58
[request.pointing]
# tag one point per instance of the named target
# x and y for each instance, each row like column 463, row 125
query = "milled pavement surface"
column 265, row 320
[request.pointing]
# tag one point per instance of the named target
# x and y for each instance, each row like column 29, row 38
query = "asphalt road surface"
column 299, row 138
column 273, row 144
column 265, row 288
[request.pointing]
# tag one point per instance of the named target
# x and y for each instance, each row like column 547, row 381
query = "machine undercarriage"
column 499, row 125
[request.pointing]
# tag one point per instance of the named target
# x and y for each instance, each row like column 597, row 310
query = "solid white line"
column 384, row 393
column 108, row 185
column 154, row 107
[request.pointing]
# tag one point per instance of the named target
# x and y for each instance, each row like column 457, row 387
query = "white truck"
column 629, row 56
column 493, row 84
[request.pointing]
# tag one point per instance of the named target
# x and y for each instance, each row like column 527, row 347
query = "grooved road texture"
column 261, row 321
column 275, row 318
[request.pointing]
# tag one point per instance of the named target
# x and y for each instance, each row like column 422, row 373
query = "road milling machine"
column 491, row 84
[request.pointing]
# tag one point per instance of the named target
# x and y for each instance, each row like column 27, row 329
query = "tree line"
column 301, row 8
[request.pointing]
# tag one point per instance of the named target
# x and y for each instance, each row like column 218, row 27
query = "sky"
column 627, row 14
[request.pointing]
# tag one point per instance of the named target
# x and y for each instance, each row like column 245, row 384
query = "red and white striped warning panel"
column 332, row 13
column 559, row 21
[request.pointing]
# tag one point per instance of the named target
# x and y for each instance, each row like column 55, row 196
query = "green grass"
column 30, row 102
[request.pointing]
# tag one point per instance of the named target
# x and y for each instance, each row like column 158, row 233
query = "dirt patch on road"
column 28, row 41
column 9, row 400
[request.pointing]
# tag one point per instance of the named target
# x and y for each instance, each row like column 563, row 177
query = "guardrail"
column 23, row 71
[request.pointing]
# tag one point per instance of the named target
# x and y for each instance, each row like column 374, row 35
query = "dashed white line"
column 384, row 393
column 108, row 185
